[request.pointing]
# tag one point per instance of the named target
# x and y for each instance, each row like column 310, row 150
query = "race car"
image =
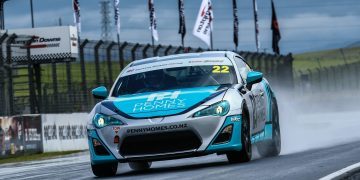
column 182, row 106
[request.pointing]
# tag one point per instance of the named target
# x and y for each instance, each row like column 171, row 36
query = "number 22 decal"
column 220, row 69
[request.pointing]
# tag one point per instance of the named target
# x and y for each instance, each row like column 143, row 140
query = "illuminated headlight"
column 101, row 120
column 218, row 109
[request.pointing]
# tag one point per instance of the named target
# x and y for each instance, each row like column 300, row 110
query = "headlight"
column 101, row 120
column 218, row 109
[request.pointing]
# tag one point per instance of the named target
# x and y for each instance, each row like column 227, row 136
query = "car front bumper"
column 165, row 139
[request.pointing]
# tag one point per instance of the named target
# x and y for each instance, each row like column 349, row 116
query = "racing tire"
column 246, row 152
column 272, row 147
column 104, row 170
column 140, row 166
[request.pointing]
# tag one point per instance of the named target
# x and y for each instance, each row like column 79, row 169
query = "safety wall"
column 64, row 132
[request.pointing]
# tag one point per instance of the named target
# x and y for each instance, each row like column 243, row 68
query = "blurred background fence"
column 330, row 79
column 65, row 87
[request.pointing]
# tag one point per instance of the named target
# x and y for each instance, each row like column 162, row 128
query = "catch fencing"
column 65, row 87
column 340, row 78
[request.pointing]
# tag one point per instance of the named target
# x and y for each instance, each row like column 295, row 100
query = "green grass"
column 327, row 58
column 21, row 89
column 36, row 157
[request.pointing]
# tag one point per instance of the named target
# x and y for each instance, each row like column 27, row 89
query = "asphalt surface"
column 312, row 164
column 313, row 146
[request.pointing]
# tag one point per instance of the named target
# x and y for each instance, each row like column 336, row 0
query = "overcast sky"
column 305, row 25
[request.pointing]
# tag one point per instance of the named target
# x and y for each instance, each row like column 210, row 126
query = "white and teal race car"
column 183, row 106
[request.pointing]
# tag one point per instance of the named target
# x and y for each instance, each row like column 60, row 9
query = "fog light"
column 99, row 148
column 96, row 142
column 228, row 129
column 224, row 136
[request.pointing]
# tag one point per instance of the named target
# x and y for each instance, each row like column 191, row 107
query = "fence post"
column 83, row 72
column 357, row 69
column 311, row 80
column 167, row 50
column 45, row 100
column 133, row 57
column 69, row 85
column 97, row 62
column 327, row 78
column 55, row 85
column 319, row 83
column 108, row 54
column 145, row 49
column 177, row 51
column 10, row 81
column 267, row 67
column 30, row 77
column 121, row 55
column 157, row 50
column 289, row 70
column 334, row 77
column 2, row 76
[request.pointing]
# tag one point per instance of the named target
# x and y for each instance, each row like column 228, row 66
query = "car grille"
column 158, row 143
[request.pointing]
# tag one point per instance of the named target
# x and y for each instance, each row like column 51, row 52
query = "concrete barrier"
column 64, row 132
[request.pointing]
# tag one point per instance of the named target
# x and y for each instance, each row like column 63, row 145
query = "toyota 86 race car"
column 183, row 106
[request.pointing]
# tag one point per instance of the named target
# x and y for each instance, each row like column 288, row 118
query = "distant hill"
column 355, row 44
column 327, row 58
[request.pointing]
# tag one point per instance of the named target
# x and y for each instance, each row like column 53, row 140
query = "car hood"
column 161, row 103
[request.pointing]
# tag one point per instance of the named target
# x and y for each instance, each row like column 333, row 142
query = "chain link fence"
column 65, row 87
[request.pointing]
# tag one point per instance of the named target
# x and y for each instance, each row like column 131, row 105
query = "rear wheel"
column 245, row 154
column 140, row 166
column 104, row 170
column 272, row 147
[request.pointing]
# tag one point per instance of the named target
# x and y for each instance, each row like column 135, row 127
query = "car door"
column 256, row 96
column 259, row 98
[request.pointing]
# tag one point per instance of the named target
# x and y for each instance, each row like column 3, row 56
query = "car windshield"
column 175, row 78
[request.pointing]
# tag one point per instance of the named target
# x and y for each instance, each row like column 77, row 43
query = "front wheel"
column 272, row 147
column 245, row 154
column 104, row 170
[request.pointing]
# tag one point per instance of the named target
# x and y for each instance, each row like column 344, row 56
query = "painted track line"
column 342, row 172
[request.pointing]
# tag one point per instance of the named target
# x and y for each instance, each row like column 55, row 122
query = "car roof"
column 206, row 54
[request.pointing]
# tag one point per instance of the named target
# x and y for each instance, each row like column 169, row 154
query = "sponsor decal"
column 220, row 69
column 51, row 132
column 160, row 101
column 116, row 129
column 156, row 128
column 235, row 119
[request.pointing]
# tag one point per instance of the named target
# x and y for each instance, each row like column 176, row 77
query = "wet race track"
column 314, row 146
column 312, row 164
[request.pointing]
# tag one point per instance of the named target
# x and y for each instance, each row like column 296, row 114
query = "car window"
column 175, row 78
column 243, row 68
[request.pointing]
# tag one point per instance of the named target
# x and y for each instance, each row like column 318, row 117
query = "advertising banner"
column 20, row 135
column 64, row 132
column 50, row 43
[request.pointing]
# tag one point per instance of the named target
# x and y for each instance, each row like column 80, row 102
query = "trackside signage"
column 56, row 43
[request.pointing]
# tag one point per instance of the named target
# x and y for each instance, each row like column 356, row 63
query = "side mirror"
column 100, row 92
column 254, row 77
